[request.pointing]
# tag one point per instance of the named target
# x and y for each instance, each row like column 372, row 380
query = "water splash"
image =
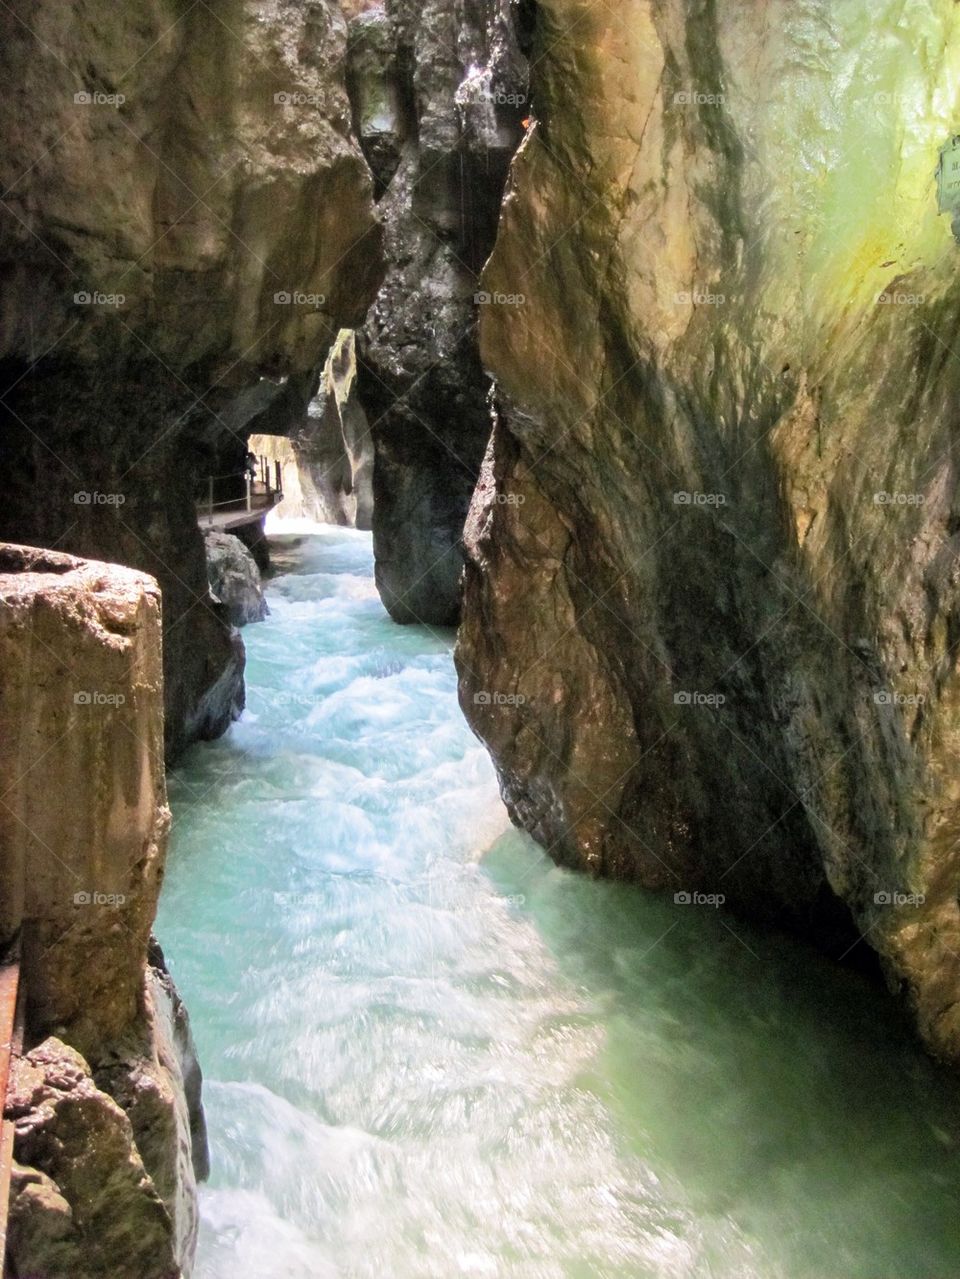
column 421, row 1064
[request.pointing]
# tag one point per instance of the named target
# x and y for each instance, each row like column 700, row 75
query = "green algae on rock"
column 713, row 556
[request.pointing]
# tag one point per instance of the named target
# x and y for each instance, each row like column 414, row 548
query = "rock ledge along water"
column 83, row 832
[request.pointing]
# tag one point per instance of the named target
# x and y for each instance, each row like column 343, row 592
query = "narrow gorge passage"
column 429, row 1051
column 619, row 934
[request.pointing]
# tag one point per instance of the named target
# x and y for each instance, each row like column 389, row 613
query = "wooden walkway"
column 263, row 491
column 236, row 516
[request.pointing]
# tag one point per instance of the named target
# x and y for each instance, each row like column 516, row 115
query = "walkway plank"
column 11, row 1043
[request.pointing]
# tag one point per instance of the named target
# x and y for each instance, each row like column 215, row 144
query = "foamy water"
column 430, row 1053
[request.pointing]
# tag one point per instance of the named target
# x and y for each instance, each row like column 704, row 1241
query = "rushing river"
column 429, row 1052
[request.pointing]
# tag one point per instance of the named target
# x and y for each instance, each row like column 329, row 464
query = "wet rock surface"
column 179, row 1047
column 234, row 578
column 711, row 607
column 438, row 92
column 82, row 1202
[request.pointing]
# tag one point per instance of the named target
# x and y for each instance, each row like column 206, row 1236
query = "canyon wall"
column 109, row 1134
column 185, row 225
column 438, row 91
column 712, row 601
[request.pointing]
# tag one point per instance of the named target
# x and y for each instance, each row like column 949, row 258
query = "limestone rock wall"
column 85, row 825
column 83, row 833
column 712, row 603
column 83, row 1205
column 185, row 226
column 438, row 92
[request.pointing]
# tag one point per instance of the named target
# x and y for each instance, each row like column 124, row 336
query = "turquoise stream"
column 429, row 1052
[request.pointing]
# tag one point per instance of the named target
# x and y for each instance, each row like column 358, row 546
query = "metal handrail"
column 239, row 501
column 251, row 501
column 11, row 1045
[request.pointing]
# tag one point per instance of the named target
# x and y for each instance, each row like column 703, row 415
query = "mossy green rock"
column 713, row 557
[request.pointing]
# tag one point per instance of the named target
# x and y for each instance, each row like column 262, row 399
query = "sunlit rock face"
column 83, row 837
column 712, row 598
column 82, row 1203
column 326, row 457
column 185, row 226
column 438, row 90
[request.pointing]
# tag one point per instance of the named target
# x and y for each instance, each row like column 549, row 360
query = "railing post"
column 249, row 492
column 210, row 500
column 12, row 1012
column 278, row 471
